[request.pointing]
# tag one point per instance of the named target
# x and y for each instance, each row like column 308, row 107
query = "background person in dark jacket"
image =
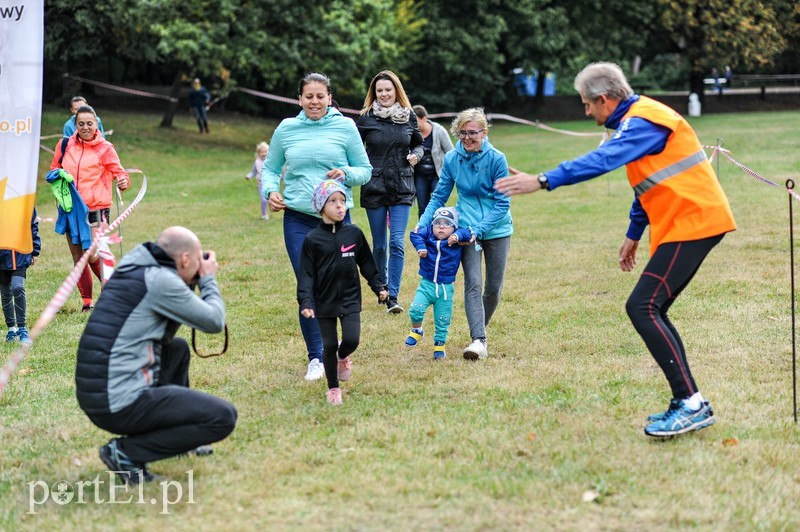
column 13, row 268
column 132, row 375
column 435, row 143
column 328, row 286
column 389, row 129
column 198, row 100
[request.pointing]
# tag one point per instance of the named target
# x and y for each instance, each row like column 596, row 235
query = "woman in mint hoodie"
column 318, row 144
column 472, row 168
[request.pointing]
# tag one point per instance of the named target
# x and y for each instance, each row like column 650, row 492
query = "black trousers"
column 669, row 271
column 170, row 419
column 332, row 350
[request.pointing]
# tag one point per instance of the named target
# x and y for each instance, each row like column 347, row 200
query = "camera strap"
column 224, row 347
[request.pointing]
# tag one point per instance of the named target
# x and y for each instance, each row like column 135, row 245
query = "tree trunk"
column 696, row 84
column 172, row 106
column 540, row 88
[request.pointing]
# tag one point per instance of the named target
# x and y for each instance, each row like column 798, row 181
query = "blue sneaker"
column 674, row 404
column 414, row 336
column 438, row 351
column 22, row 334
column 11, row 336
column 681, row 420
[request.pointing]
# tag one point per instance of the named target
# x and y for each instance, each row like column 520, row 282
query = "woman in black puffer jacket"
column 393, row 141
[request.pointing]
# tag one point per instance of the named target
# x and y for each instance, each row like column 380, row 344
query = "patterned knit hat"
column 323, row 191
column 448, row 214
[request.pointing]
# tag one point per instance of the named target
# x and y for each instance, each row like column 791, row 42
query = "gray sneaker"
column 120, row 463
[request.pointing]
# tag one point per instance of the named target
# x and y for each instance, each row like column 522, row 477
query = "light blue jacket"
column 309, row 149
column 482, row 209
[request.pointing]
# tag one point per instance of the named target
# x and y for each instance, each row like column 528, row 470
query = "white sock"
column 12, row 329
column 694, row 402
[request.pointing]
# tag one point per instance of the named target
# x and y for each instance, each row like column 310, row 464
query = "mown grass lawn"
column 555, row 415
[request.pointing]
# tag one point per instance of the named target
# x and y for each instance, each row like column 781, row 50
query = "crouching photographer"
column 132, row 374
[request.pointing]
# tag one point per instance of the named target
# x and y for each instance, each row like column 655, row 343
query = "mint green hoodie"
column 309, row 149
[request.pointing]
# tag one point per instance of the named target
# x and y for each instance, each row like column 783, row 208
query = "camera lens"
column 205, row 256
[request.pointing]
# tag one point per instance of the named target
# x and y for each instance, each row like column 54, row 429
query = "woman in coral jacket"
column 93, row 164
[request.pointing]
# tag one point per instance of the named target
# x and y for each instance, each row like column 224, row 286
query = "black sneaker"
column 120, row 463
column 393, row 307
column 203, row 450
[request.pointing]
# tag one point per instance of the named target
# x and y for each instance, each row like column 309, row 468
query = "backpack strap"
column 64, row 143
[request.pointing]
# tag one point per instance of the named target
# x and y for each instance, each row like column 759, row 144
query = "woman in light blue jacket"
column 472, row 168
column 318, row 144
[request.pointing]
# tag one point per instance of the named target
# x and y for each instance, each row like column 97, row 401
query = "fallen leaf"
column 590, row 495
column 730, row 442
column 25, row 371
column 76, row 461
column 531, row 436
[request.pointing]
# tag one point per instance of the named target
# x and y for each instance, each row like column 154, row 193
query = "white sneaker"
column 476, row 350
column 315, row 370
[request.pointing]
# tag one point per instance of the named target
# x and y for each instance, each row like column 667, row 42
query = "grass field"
column 545, row 434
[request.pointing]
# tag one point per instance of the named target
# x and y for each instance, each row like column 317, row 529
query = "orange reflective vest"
column 677, row 188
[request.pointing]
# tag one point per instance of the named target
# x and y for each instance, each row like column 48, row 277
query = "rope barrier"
column 51, row 152
column 346, row 110
column 284, row 99
column 490, row 116
column 66, row 288
column 510, row 118
column 752, row 173
column 122, row 89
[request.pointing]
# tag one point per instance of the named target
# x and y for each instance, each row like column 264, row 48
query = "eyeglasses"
column 474, row 135
column 442, row 224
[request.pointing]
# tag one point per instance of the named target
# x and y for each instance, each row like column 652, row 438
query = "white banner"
column 21, row 65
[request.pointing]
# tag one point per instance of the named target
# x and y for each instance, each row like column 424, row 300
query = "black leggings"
column 666, row 275
column 351, row 334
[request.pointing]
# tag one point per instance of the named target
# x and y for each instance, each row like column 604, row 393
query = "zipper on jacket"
column 78, row 173
column 436, row 265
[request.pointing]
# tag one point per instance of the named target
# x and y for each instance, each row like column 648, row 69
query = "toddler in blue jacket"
column 13, row 268
column 439, row 258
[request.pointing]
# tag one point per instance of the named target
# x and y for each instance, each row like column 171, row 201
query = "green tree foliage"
column 450, row 55
column 348, row 40
column 712, row 33
column 458, row 64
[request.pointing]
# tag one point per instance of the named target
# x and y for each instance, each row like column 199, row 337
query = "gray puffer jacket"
column 140, row 309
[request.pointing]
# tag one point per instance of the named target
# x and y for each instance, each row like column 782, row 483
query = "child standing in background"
column 262, row 149
column 328, row 286
column 439, row 257
column 13, row 268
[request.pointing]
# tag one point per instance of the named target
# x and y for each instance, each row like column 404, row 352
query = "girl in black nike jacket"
column 328, row 286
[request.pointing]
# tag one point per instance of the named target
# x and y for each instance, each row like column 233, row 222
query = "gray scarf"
column 397, row 113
